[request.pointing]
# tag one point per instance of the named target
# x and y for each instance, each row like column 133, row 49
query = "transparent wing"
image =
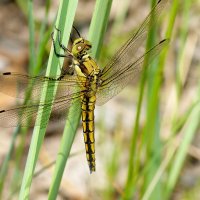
column 128, row 53
column 25, row 115
column 17, row 85
column 128, row 61
column 70, row 89
column 117, row 81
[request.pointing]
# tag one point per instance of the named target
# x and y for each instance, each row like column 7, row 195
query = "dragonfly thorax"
column 87, row 67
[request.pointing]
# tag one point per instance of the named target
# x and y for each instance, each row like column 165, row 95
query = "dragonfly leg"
column 61, row 46
column 59, row 40
column 64, row 72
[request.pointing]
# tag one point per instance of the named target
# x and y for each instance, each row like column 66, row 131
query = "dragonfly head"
column 80, row 47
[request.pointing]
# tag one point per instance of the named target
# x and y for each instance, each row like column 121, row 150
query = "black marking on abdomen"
column 89, row 141
column 87, row 120
column 90, row 147
column 1, row 111
column 7, row 73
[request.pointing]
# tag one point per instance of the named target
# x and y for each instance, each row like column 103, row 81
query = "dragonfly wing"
column 18, row 85
column 130, row 50
column 116, row 82
column 24, row 115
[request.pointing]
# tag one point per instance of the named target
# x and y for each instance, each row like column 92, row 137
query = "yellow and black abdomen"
column 88, row 105
column 87, row 67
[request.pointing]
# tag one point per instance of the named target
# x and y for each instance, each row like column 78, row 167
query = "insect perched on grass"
column 89, row 84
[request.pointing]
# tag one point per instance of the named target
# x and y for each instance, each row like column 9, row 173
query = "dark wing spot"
column 7, row 73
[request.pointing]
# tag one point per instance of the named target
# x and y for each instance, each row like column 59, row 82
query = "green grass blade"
column 151, row 143
column 23, row 5
column 64, row 150
column 31, row 36
column 183, row 37
column 152, row 128
column 43, row 38
column 134, row 157
column 98, row 25
column 70, row 128
column 52, row 70
column 5, row 164
column 189, row 132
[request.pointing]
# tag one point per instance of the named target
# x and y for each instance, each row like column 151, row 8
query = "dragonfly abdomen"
column 88, row 105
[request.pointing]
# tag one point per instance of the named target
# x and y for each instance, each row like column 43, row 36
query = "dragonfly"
column 88, row 84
